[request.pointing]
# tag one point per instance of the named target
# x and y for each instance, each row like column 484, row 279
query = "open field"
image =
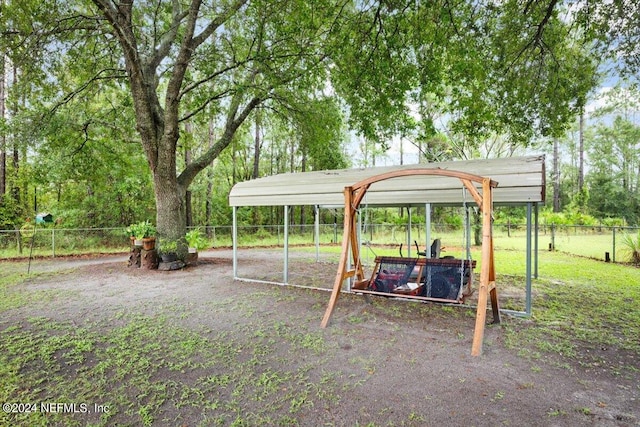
column 196, row 348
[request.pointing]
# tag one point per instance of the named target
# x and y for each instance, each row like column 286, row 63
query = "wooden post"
column 134, row 257
column 487, row 273
column 342, row 265
column 149, row 259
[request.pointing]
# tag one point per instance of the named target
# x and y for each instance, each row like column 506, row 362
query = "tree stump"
column 149, row 259
column 134, row 257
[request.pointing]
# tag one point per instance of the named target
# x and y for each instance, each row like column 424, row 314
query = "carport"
column 520, row 181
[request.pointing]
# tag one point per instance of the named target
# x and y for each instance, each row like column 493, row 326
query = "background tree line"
column 113, row 112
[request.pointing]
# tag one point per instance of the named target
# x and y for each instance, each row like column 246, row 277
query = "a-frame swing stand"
column 353, row 196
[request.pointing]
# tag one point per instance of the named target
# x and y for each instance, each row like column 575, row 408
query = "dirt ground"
column 400, row 363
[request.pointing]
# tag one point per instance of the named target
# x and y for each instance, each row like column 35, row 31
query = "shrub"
column 141, row 230
column 168, row 247
column 196, row 239
column 632, row 247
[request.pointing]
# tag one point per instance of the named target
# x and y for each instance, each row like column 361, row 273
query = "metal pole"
column 359, row 231
column 409, row 232
column 33, row 236
column 427, row 229
column 614, row 244
column 234, row 243
column 528, row 261
column 317, row 231
column 536, row 248
column 286, row 245
column 467, row 226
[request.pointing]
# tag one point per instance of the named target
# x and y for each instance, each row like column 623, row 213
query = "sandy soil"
column 403, row 362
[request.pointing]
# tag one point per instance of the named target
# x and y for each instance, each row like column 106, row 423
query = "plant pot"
column 137, row 242
column 192, row 256
column 169, row 257
column 149, row 243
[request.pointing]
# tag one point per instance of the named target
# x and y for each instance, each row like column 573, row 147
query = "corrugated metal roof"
column 520, row 180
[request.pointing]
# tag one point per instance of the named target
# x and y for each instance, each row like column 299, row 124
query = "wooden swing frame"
column 353, row 196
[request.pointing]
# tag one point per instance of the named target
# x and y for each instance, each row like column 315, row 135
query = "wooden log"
column 134, row 257
column 149, row 259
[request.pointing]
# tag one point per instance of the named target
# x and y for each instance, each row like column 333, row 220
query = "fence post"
column 19, row 241
column 53, row 242
column 614, row 244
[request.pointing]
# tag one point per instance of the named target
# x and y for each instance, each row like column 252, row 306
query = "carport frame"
column 522, row 183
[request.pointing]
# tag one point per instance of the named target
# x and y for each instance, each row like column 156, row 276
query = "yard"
column 88, row 341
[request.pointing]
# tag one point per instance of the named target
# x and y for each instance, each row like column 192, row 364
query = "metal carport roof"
column 521, row 180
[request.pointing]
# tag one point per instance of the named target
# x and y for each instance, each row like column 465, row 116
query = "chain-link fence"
column 52, row 241
column 600, row 242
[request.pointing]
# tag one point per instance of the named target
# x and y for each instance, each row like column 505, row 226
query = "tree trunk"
column 581, row 152
column 15, row 190
column 158, row 123
column 556, row 177
column 257, row 146
column 208, row 203
column 477, row 228
column 3, row 136
column 187, row 160
column 170, row 212
column 303, row 166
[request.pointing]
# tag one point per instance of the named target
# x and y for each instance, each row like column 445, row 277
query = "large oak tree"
column 490, row 67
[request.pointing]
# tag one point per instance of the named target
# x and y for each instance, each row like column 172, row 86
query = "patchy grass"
column 584, row 310
column 150, row 366
column 10, row 299
column 239, row 378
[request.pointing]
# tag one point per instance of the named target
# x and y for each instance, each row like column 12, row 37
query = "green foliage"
column 615, row 161
column 196, row 239
column 396, row 70
column 168, row 246
column 141, row 230
column 632, row 247
column 321, row 134
column 480, row 65
column 453, row 221
column 9, row 214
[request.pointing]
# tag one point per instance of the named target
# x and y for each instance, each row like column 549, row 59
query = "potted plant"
column 168, row 250
column 142, row 234
column 196, row 241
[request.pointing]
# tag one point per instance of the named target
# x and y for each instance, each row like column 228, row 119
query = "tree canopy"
column 144, row 69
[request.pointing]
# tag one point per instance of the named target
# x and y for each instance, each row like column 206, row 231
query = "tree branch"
column 97, row 77
column 168, row 38
column 234, row 120
column 217, row 22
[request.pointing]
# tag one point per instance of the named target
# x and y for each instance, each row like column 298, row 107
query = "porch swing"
column 431, row 278
column 392, row 275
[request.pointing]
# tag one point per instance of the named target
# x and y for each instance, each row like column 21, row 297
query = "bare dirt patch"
column 380, row 362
